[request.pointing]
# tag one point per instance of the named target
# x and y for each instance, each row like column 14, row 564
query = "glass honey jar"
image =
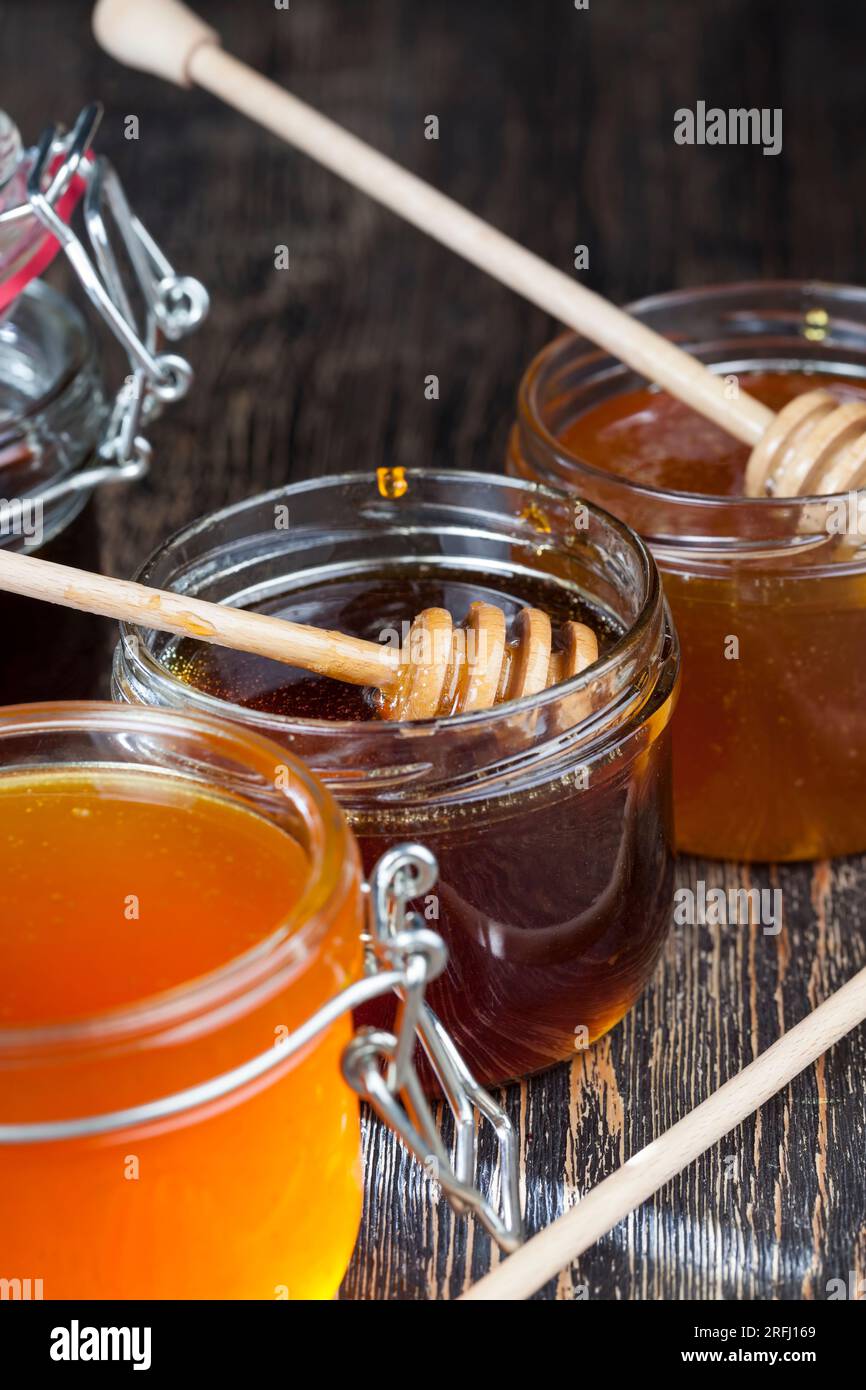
column 63, row 433
column 768, row 594
column 549, row 816
column 171, row 910
column 183, row 938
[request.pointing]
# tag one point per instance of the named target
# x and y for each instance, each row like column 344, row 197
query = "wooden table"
column 557, row 125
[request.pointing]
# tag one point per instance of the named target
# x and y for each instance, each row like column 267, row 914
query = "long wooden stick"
column 526, row 1271
column 166, row 38
column 315, row 649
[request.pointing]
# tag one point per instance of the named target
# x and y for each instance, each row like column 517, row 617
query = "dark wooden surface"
column 557, row 125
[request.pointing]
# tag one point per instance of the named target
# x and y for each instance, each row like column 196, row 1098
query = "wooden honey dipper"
column 813, row 446
column 441, row 670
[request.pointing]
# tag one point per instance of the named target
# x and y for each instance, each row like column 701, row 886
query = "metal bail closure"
column 173, row 305
column 380, row 1065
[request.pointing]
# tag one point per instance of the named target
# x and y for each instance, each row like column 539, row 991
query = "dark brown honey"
column 377, row 610
column 553, row 898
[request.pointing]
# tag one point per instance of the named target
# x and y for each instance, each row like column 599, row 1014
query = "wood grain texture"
column 556, row 125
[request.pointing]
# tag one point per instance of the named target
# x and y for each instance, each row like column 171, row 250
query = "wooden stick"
column 315, row 649
column 610, row 1202
column 433, row 674
column 164, row 37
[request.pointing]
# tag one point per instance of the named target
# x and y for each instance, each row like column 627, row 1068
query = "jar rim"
column 722, row 289
column 530, row 417
column 134, row 650
column 290, row 945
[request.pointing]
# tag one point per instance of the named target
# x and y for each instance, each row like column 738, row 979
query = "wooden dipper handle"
column 327, row 653
column 599, row 1210
column 165, row 38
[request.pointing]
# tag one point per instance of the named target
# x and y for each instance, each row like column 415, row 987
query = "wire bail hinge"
column 380, row 1065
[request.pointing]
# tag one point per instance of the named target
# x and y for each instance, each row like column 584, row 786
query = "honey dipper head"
column 448, row 669
column 814, row 447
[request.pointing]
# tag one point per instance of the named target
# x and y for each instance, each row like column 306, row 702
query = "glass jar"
column 250, row 1191
column 549, row 816
column 60, row 437
column 768, row 595
column 53, row 410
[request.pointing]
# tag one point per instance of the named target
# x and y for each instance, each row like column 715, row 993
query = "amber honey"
column 786, row 707
column 153, row 936
column 657, row 441
column 769, row 603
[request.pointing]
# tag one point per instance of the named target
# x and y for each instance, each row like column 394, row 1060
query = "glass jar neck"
column 481, row 524
column 761, row 326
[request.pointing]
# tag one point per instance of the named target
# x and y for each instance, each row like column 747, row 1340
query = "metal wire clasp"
column 173, row 305
column 380, row 1065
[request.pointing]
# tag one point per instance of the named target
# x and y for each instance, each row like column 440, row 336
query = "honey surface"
column 118, row 886
column 658, row 441
column 365, row 608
